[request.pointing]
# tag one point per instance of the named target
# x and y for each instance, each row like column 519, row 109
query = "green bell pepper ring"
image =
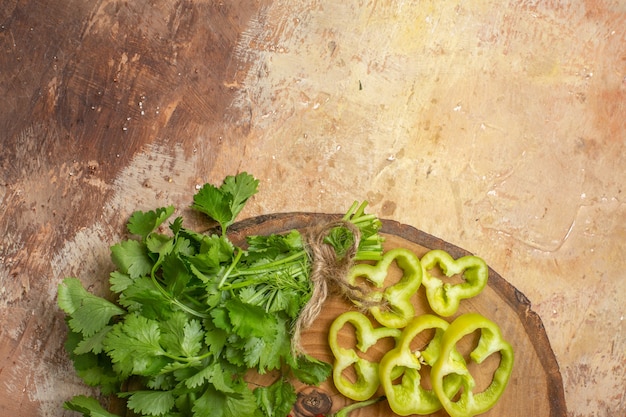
column 367, row 380
column 397, row 309
column 344, row 412
column 491, row 341
column 409, row 396
column 445, row 298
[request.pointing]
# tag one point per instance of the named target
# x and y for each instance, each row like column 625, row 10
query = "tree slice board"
column 535, row 388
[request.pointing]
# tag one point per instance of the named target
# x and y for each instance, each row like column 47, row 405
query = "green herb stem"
column 280, row 264
column 372, row 255
column 187, row 359
column 230, row 269
column 172, row 299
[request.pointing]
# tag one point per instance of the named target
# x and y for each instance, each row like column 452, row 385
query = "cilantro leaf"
column 240, row 188
column 95, row 372
column 213, row 374
column 276, row 400
column 234, row 351
column 214, row 403
column 119, row 281
column 143, row 223
column 309, row 370
column 89, row 406
column 278, row 346
column 181, row 336
column 93, row 369
column 191, row 343
column 213, row 202
column 158, row 243
column 144, row 297
column 133, row 345
column 253, row 349
column 93, row 343
column 266, row 353
column 131, row 257
column 263, row 249
column 341, row 239
column 175, row 274
column 225, row 203
column 215, row 339
column 153, row 403
column 247, row 320
column 89, row 313
column 177, row 225
column 172, row 333
column 93, row 316
column 164, row 380
column 257, row 339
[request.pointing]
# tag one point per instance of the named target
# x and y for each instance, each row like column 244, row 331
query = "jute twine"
column 328, row 273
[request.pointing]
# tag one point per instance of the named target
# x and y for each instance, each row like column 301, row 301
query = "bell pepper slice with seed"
column 405, row 393
column 367, row 380
column 490, row 342
column 393, row 307
column 443, row 297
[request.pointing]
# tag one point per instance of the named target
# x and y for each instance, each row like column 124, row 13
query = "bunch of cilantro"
column 193, row 313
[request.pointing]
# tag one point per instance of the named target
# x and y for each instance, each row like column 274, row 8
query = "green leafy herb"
column 88, row 406
column 223, row 204
column 194, row 313
column 144, row 223
column 89, row 313
column 276, row 400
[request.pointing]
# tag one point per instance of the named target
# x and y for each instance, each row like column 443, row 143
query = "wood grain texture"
column 498, row 126
column 88, row 86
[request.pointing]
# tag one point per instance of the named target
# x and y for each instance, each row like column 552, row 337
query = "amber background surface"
column 498, row 126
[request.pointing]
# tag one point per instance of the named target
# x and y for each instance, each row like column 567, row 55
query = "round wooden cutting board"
column 535, row 388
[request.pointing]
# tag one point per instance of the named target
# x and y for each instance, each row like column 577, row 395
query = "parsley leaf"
column 94, row 369
column 264, row 249
column 94, row 343
column 89, row 313
column 215, row 339
column 212, row 201
column 175, row 274
column 90, row 407
column 240, row 188
column 133, row 344
column 247, row 320
column 214, row 403
column 181, row 336
column 310, row 370
column 142, row 296
column 276, row 399
column 131, row 257
column 153, row 403
column 212, row 373
column 159, row 244
column 225, row 203
column 143, row 223
column 119, row 281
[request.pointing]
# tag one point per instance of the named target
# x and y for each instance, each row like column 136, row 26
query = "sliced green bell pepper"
column 345, row 412
column 409, row 396
column 393, row 307
column 491, row 341
column 445, row 298
column 367, row 380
